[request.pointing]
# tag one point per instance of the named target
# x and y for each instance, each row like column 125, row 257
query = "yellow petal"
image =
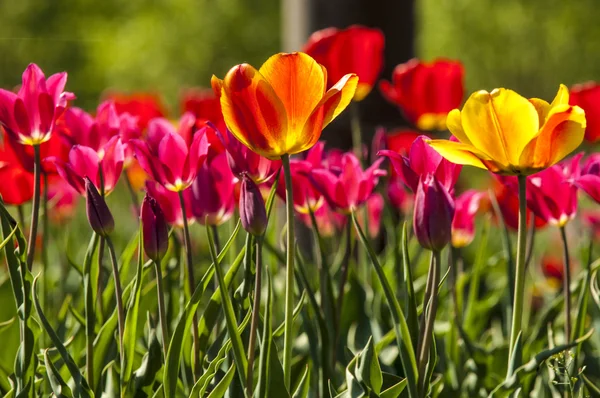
column 459, row 153
column 500, row 123
column 562, row 96
column 454, row 124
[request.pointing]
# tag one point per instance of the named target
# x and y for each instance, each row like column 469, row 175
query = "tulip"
column 55, row 147
column 434, row 211
column 508, row 134
column 467, row 206
column 17, row 183
column 205, row 106
column 426, row 92
column 549, row 194
column 553, row 270
column 172, row 158
column 243, row 161
column 587, row 96
column 62, row 200
column 400, row 141
column 589, row 180
column 144, row 106
column 423, row 160
column 98, row 213
column 155, row 229
column 356, row 49
column 29, row 115
column 252, row 208
column 397, row 195
column 212, row 192
column 505, row 189
column 281, row 108
column 347, row 187
column 374, row 207
column 169, row 203
column 329, row 222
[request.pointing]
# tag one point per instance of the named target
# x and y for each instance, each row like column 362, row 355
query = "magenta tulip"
column 434, row 211
column 154, row 229
column 212, row 192
column 346, row 186
column 467, row 206
column 589, row 180
column 243, row 161
column 253, row 213
column 98, row 213
column 169, row 203
column 172, row 157
column 29, row 115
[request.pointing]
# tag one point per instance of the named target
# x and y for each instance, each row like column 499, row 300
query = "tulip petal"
column 253, row 111
column 147, row 161
column 55, row 85
column 197, row 154
column 500, row 123
column 172, row 154
column 69, row 175
column 562, row 96
column 85, row 162
column 299, row 82
column 590, row 184
column 112, row 162
column 459, row 153
column 7, row 105
column 454, row 124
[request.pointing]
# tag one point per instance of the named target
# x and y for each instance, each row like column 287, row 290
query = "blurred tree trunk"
column 394, row 17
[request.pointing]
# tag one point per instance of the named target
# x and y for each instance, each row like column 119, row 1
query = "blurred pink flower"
column 467, row 206
column 328, row 221
column 589, row 179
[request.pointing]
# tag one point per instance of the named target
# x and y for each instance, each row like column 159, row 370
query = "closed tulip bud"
column 98, row 214
column 252, row 208
column 154, row 228
column 434, row 210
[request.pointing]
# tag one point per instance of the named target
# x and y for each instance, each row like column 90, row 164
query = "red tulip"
column 357, row 49
column 553, row 270
column 169, row 203
column 426, row 92
column 55, row 147
column 434, row 211
column 467, row 206
column 16, row 187
column 587, row 96
column 213, row 191
column 423, row 160
column 243, row 161
column 506, row 192
column 549, row 194
column 400, row 141
column 306, row 196
column 144, row 106
column 172, row 157
column 347, row 186
column 589, row 180
column 29, row 115
column 205, row 106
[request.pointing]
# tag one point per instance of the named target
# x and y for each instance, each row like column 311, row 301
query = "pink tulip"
column 467, row 206
column 172, row 157
column 169, row 203
column 592, row 220
column 328, row 221
column 549, row 194
column 398, row 196
column 423, row 160
column 346, row 186
column 244, row 161
column 29, row 115
column 434, row 211
column 213, row 191
column 374, row 207
column 589, row 180
column 306, row 196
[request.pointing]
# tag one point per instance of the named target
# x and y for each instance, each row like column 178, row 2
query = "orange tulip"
column 282, row 107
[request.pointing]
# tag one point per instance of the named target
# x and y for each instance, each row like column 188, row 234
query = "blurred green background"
column 166, row 45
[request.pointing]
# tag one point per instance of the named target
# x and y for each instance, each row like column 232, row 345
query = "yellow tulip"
column 508, row 134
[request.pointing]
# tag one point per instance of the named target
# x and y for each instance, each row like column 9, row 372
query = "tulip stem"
column 289, row 281
column 426, row 298
column 90, row 317
column 255, row 316
column 430, row 306
column 162, row 311
column 118, row 296
column 341, row 289
column 356, row 130
column 519, row 291
column 566, row 283
column 35, row 208
column 192, row 285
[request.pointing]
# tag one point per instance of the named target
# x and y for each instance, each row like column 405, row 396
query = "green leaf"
column 394, row 391
column 303, row 386
column 184, row 324
column 280, row 329
column 151, row 363
column 58, row 385
column 266, row 347
column 517, row 355
column 239, row 354
column 582, row 305
column 472, row 316
column 412, row 319
column 131, row 318
column 403, row 337
column 81, row 386
column 368, row 370
column 221, row 388
column 9, row 238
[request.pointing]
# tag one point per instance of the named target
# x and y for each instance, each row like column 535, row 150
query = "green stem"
column 162, row 310
column 426, row 299
column 100, row 281
column 431, row 305
column 35, row 208
column 255, row 316
column 118, row 296
column 341, row 289
column 519, row 291
column 356, row 130
column 289, row 281
column 196, row 366
column 566, row 283
column 21, row 215
column 90, row 317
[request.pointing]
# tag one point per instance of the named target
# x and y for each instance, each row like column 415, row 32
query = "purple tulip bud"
column 98, row 214
column 252, row 208
column 154, row 228
column 434, row 211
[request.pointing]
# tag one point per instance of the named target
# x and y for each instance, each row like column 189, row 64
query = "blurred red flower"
column 587, row 96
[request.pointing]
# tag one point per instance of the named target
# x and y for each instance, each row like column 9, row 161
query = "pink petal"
column 85, row 162
column 158, row 128
column 147, row 160
column 172, row 155
column 69, row 175
column 112, row 162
